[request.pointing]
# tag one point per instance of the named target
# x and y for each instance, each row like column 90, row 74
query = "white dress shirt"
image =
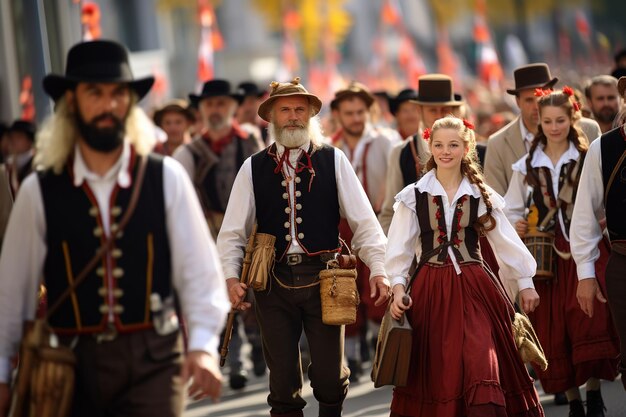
column 518, row 190
column 527, row 135
column 196, row 271
column 368, row 240
column 585, row 231
column 514, row 260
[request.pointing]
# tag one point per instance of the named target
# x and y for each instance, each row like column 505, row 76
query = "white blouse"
column 517, row 265
column 517, row 193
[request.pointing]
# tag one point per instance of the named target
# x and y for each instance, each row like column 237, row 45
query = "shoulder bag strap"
column 613, row 174
column 108, row 242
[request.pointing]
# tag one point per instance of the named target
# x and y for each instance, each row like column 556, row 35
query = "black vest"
column 613, row 145
column 545, row 196
column 433, row 231
column 137, row 265
column 316, row 202
column 407, row 162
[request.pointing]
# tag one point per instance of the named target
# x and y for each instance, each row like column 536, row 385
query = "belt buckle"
column 108, row 335
column 294, row 259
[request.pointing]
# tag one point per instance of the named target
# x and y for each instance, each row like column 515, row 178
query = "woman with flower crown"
column 464, row 360
column 579, row 349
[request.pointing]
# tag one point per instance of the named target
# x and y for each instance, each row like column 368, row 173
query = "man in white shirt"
column 296, row 190
column 120, row 320
column 602, row 184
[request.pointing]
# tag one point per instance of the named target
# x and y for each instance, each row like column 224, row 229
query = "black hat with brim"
column 250, row 89
column 23, row 126
column 215, row 88
column 408, row 94
column 529, row 77
column 99, row 61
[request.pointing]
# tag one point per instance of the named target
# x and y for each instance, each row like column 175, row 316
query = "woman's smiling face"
column 447, row 148
column 555, row 123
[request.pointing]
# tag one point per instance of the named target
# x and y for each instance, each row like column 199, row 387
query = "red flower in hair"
column 468, row 124
column 568, row 91
column 576, row 106
column 540, row 92
column 426, row 134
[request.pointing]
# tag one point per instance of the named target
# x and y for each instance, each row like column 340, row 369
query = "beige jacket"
column 506, row 146
column 395, row 182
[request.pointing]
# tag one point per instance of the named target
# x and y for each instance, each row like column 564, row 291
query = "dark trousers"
column 616, row 295
column 283, row 314
column 135, row 374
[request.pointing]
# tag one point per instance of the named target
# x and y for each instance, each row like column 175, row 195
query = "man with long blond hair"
column 94, row 167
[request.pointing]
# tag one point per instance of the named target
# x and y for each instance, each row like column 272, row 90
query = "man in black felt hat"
column 247, row 110
column 212, row 160
column 21, row 136
column 94, row 168
column 435, row 99
column 509, row 144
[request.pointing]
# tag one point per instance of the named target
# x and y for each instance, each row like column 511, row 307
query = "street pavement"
column 363, row 401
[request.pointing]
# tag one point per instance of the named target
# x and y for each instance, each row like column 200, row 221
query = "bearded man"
column 95, row 168
column 603, row 99
column 296, row 190
column 213, row 158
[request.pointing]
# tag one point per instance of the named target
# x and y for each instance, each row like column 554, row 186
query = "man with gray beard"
column 296, row 190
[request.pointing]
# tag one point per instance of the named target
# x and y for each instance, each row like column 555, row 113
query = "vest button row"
column 117, row 292
column 117, row 272
column 117, row 309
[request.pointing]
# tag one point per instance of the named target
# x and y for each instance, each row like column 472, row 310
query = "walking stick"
column 245, row 270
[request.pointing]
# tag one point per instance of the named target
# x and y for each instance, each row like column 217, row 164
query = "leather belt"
column 292, row 259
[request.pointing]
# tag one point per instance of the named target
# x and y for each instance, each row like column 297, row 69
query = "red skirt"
column 464, row 361
column 577, row 347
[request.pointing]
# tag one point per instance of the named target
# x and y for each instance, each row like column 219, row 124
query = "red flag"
column 90, row 21
column 27, row 99
column 210, row 41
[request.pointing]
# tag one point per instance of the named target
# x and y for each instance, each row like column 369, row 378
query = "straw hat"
column 293, row 88
column 354, row 89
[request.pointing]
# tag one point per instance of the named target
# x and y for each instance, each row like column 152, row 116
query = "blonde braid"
column 486, row 222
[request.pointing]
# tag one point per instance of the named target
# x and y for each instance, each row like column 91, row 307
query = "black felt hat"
column 215, row 88
column 25, row 127
column 99, row 61
column 408, row 94
column 532, row 76
column 250, row 89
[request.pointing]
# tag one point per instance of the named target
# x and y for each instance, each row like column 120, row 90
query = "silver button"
column 93, row 212
column 118, row 272
column 114, row 227
column 118, row 292
column 102, row 291
column 298, row 193
column 285, row 196
column 116, row 253
column 100, row 271
column 298, row 206
column 104, row 309
column 283, row 183
column 287, row 210
column 300, row 235
column 287, row 224
column 116, row 211
column 288, row 238
column 299, row 220
column 118, row 309
column 97, row 232
column 298, row 180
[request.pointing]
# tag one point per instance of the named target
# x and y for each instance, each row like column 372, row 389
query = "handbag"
column 395, row 340
column 44, row 384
